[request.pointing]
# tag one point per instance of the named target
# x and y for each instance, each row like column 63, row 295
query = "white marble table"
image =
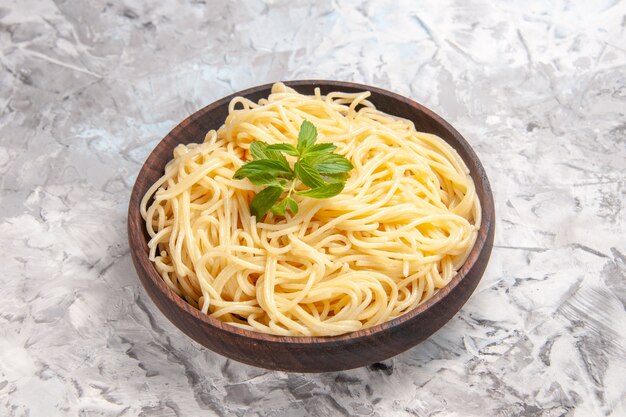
column 87, row 88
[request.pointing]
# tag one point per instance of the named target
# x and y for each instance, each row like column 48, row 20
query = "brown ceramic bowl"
column 312, row 354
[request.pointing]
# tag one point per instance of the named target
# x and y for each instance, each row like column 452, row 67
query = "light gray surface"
column 538, row 88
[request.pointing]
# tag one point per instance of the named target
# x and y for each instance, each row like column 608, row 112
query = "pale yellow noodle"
column 404, row 224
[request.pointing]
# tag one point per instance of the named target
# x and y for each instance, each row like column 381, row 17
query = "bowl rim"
column 139, row 249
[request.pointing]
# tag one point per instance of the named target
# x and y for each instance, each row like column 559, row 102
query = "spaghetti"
column 404, row 224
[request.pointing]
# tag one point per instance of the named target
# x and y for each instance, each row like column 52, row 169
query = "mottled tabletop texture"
column 88, row 88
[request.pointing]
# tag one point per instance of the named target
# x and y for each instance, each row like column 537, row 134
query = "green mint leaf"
column 259, row 150
column 263, row 166
column 317, row 167
column 264, row 200
column 338, row 177
column 293, row 205
column 284, row 147
column 324, row 191
column 307, row 174
column 307, row 136
column 265, row 179
column 280, row 208
column 330, row 163
column 319, row 149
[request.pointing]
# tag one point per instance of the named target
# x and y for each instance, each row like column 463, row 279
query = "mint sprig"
column 316, row 166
